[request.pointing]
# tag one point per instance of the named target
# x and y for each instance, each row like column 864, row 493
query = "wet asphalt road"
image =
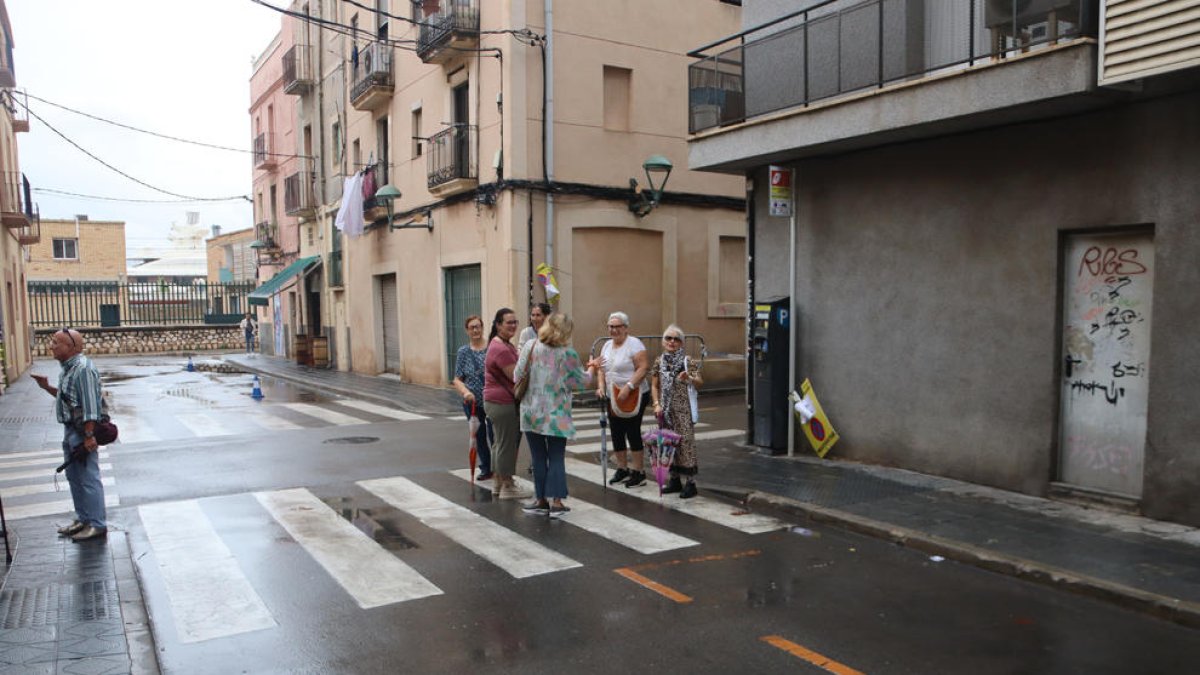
column 769, row 602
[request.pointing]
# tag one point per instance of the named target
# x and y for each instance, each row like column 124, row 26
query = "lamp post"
column 643, row 201
column 388, row 195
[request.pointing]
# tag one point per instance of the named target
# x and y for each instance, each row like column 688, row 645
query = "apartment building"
column 447, row 102
column 230, row 258
column 21, row 226
column 78, row 249
column 994, row 235
column 276, row 243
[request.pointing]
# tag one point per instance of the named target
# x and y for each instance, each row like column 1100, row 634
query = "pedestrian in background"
column 78, row 407
column 537, row 316
column 554, row 372
column 500, row 403
column 673, row 383
column 623, row 382
column 249, row 328
column 468, row 381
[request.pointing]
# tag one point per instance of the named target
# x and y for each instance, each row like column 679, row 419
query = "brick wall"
column 100, row 249
column 149, row 340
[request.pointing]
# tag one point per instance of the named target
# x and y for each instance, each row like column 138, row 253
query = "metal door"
column 1108, row 287
column 390, row 330
column 463, row 298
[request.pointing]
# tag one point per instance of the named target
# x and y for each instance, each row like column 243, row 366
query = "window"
column 383, row 145
column 416, row 133
column 66, row 249
column 616, row 98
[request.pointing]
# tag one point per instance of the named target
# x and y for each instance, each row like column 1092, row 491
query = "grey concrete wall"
column 928, row 290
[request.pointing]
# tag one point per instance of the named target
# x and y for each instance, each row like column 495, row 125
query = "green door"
column 463, row 298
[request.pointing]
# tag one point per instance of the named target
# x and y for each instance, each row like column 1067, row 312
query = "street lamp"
column 643, row 201
column 388, row 195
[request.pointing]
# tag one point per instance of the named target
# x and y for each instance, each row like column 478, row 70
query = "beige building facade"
column 446, row 102
column 20, row 219
column 79, row 249
column 230, row 258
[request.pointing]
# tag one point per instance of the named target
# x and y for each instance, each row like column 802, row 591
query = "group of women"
column 487, row 372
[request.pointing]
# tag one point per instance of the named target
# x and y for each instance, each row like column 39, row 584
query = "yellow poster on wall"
column 817, row 428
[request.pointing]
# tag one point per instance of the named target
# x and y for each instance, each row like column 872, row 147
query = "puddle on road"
column 383, row 528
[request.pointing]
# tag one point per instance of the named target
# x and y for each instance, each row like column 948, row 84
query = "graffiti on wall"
column 1105, row 361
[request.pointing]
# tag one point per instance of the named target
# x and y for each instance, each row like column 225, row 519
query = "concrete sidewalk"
column 1146, row 565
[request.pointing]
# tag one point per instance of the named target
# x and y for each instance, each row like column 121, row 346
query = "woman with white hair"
column 673, row 381
column 622, row 381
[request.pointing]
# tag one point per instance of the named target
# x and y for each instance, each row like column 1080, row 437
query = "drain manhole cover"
column 352, row 440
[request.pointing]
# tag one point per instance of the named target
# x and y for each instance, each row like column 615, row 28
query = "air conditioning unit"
column 1023, row 13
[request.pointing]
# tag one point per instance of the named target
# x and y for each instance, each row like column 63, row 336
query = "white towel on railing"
column 350, row 214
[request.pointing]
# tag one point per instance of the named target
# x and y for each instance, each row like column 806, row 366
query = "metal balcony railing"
column 335, row 268
column 15, row 203
column 452, row 155
column 840, row 47
column 298, row 193
column 264, row 152
column 373, row 68
column 15, row 102
column 453, row 21
column 265, row 233
column 31, row 233
column 297, row 70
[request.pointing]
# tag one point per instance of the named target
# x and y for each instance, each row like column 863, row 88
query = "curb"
column 139, row 636
column 1170, row 609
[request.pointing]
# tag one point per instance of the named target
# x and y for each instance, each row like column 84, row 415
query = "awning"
column 262, row 294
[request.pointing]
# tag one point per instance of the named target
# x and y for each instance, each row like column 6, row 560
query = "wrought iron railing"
column 265, row 233
column 335, row 268
column 437, row 29
column 297, row 70
column 78, row 304
column 452, row 155
column 263, row 151
column 15, row 195
column 298, row 192
column 840, row 47
column 373, row 67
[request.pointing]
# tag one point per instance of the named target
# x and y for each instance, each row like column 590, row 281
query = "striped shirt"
column 78, row 398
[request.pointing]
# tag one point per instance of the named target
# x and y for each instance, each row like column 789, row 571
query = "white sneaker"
column 511, row 492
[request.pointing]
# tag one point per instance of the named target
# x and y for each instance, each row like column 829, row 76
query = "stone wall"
column 149, row 339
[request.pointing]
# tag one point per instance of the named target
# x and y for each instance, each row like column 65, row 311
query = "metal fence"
column 840, row 47
column 81, row 304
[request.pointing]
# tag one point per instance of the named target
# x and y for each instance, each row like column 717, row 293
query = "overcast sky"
column 178, row 67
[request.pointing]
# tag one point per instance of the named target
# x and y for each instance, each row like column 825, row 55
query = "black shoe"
column 536, row 508
column 618, row 476
column 673, row 486
column 636, row 478
column 484, row 475
column 559, row 511
column 689, row 490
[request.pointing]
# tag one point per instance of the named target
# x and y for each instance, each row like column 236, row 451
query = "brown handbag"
column 522, row 385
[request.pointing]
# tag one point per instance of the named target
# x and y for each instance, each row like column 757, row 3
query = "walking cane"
column 4, row 526
column 604, row 442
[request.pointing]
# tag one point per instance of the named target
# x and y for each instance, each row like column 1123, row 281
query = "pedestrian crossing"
column 211, row 594
column 27, row 478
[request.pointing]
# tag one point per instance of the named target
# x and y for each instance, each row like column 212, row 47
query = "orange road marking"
column 653, row 585
column 697, row 559
column 809, row 655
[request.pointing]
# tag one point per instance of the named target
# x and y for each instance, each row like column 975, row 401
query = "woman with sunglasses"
column 622, row 381
column 673, row 382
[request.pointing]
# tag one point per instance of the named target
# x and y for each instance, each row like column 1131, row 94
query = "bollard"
column 190, row 368
column 256, row 393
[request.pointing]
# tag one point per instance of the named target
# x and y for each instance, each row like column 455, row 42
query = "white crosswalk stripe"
column 36, row 509
column 210, row 597
column 43, row 473
column 595, row 433
column 50, row 458
column 626, row 531
column 28, row 500
column 701, row 507
column 136, row 430
column 371, row 575
column 381, row 410
column 324, row 414
column 268, row 420
column 518, row 556
column 203, row 425
column 46, row 488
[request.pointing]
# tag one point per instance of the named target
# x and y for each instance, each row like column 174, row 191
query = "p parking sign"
column 781, row 191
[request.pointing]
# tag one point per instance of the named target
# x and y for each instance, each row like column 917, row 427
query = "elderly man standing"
column 79, row 408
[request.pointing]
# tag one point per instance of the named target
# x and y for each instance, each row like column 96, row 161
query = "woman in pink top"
column 500, row 404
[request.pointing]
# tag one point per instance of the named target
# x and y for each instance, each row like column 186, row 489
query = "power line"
column 65, row 193
column 122, row 173
column 152, row 133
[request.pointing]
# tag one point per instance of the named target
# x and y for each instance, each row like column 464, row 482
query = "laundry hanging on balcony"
column 350, row 214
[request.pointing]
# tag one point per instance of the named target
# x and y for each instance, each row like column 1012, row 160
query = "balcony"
column 889, row 70
column 453, row 26
column 335, row 269
column 372, row 77
column 264, row 151
column 15, row 102
column 299, row 195
column 265, row 234
column 452, row 160
column 297, row 71
column 31, row 233
column 16, row 208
